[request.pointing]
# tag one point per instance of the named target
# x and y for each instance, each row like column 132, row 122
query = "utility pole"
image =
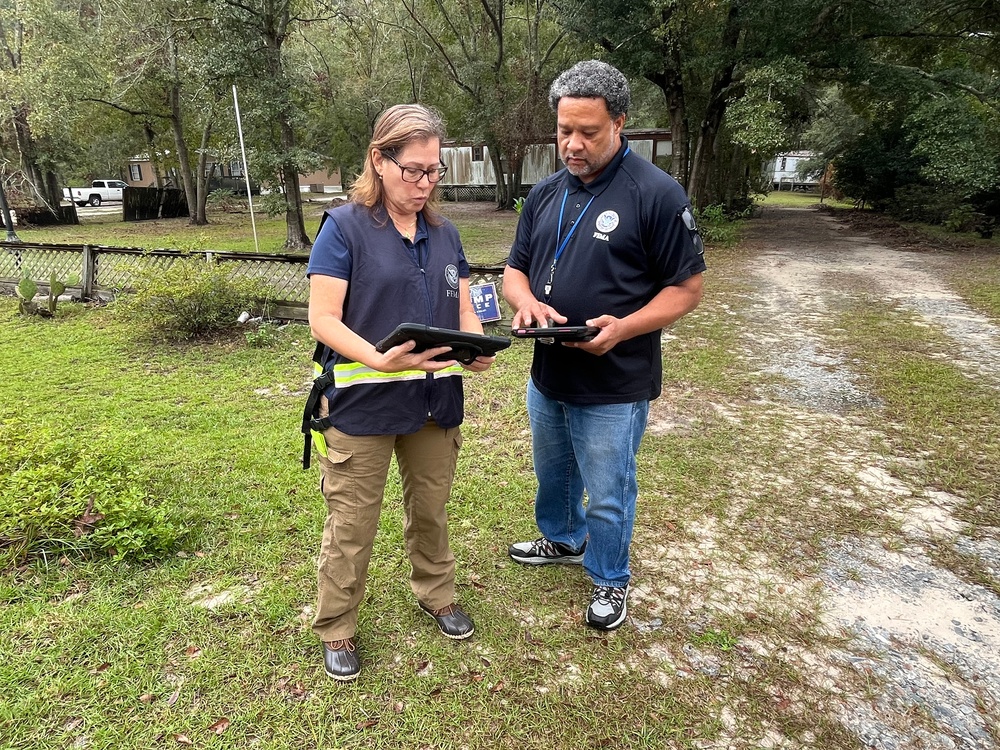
column 7, row 220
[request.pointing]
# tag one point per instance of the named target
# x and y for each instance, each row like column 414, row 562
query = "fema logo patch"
column 451, row 275
column 607, row 221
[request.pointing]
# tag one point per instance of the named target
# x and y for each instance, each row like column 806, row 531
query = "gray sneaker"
column 545, row 552
column 608, row 607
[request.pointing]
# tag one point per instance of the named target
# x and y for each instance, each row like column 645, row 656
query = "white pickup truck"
column 98, row 192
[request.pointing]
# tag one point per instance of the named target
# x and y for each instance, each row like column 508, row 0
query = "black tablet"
column 465, row 347
column 558, row 333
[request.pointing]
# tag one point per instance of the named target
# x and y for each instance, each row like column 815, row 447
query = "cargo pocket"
column 336, row 482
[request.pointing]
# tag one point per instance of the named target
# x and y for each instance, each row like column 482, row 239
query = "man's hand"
column 536, row 314
column 612, row 332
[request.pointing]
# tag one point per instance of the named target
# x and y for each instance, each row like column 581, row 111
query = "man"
column 609, row 241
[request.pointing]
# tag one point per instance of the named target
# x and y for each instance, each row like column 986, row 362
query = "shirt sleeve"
column 675, row 246
column 464, row 271
column 330, row 255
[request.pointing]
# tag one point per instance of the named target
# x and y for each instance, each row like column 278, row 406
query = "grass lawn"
column 799, row 200
column 121, row 655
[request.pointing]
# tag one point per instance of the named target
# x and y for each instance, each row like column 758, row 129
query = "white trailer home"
column 784, row 172
column 470, row 170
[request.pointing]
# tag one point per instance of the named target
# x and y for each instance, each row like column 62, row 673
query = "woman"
column 384, row 258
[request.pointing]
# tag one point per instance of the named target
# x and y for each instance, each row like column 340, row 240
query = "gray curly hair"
column 593, row 78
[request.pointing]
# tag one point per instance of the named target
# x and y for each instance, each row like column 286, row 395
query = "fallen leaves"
column 292, row 690
column 86, row 522
column 220, row 726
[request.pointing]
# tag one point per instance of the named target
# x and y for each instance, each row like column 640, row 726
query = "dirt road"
column 934, row 639
column 926, row 640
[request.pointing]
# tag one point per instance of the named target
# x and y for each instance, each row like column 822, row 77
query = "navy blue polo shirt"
column 633, row 234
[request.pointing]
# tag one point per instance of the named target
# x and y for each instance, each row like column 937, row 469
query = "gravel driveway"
column 928, row 640
column 932, row 638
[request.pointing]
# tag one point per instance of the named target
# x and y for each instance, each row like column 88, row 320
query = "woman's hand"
column 402, row 357
column 479, row 364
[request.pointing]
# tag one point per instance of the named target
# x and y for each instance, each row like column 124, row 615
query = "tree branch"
column 444, row 54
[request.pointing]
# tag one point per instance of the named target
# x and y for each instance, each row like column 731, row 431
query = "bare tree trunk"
column 203, row 176
column 183, row 158
column 504, row 199
column 701, row 164
column 177, row 124
column 705, row 147
column 715, row 111
column 295, row 237
column 154, row 160
column 671, row 82
column 44, row 183
column 515, row 180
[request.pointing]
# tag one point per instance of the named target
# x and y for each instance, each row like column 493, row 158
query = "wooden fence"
column 144, row 203
column 105, row 272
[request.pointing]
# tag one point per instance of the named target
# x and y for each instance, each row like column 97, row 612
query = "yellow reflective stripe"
column 355, row 373
column 317, row 369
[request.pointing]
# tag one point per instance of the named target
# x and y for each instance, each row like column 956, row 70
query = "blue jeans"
column 592, row 447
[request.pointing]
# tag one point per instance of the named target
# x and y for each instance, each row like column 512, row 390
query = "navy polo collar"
column 597, row 186
column 420, row 233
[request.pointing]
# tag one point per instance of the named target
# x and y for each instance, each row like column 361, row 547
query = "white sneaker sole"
column 611, row 625
column 566, row 560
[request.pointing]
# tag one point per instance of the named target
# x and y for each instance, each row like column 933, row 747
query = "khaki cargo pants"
column 352, row 480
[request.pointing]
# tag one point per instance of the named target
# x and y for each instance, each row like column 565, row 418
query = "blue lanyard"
column 560, row 247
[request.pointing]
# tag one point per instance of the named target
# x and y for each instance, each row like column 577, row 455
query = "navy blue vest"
column 388, row 286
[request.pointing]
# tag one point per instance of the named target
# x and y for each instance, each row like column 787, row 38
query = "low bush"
column 963, row 219
column 224, row 199
column 191, row 298
column 925, row 203
column 273, row 204
column 262, row 336
column 58, row 497
column 716, row 227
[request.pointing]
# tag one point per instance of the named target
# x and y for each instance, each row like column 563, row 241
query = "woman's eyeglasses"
column 414, row 174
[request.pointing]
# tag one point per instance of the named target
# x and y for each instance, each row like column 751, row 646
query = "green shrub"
column 964, row 218
column 191, row 298
column 60, row 497
column 716, row 227
column 223, row 199
column 926, row 203
column 263, row 336
column 273, row 204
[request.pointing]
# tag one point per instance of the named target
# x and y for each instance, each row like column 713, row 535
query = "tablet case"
column 558, row 333
column 465, row 347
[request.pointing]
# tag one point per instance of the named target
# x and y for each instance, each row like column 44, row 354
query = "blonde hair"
column 395, row 129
